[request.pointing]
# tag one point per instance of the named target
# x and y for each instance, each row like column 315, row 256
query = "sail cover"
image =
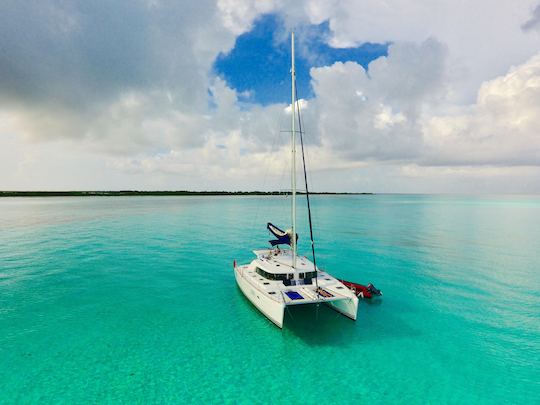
column 283, row 237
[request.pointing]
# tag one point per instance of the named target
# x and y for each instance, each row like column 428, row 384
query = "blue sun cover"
column 283, row 237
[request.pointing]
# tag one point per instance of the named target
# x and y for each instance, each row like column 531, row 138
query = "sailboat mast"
column 293, row 157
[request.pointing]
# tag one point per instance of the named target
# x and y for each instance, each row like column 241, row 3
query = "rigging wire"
column 307, row 191
column 315, row 214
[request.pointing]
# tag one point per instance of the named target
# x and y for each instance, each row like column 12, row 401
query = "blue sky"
column 259, row 63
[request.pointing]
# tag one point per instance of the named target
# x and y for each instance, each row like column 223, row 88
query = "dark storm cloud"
column 126, row 75
column 78, row 52
column 68, row 52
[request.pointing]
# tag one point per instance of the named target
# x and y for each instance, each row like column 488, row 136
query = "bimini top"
column 280, row 261
column 283, row 237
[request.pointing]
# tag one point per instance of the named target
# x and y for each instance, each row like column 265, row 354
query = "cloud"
column 392, row 112
column 115, row 72
column 385, row 114
column 534, row 22
column 482, row 40
column 238, row 16
column 501, row 128
column 374, row 114
column 123, row 95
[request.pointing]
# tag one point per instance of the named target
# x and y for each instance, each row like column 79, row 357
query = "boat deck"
column 329, row 288
column 271, row 284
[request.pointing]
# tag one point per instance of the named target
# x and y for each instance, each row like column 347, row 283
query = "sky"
column 397, row 96
column 258, row 65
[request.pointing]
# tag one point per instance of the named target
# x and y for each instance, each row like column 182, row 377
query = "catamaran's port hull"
column 272, row 309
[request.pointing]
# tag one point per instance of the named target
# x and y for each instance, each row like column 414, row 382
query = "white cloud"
column 376, row 115
column 238, row 15
column 501, row 128
column 484, row 39
column 385, row 119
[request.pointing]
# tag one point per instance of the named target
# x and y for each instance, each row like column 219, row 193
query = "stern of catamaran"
column 304, row 284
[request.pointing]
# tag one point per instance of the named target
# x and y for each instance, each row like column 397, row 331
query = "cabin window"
column 260, row 272
column 272, row 276
column 308, row 274
column 279, row 276
column 284, row 276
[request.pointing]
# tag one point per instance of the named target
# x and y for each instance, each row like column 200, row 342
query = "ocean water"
column 133, row 300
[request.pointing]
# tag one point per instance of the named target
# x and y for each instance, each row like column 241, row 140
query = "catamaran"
column 279, row 277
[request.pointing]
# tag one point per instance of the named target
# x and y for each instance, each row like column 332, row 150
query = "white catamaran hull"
column 273, row 306
column 348, row 307
column 272, row 309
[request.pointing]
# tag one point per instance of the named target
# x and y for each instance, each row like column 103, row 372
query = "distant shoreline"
column 123, row 193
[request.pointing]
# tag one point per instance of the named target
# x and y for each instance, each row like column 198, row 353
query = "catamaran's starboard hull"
column 273, row 310
column 348, row 307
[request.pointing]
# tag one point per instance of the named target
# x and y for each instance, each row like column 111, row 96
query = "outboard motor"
column 371, row 288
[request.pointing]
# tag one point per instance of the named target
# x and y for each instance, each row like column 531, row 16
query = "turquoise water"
column 133, row 300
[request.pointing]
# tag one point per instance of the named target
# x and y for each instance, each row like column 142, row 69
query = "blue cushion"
column 293, row 295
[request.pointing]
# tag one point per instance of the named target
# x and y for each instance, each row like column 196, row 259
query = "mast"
column 293, row 156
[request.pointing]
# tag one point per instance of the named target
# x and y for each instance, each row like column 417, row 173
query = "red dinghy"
column 361, row 290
